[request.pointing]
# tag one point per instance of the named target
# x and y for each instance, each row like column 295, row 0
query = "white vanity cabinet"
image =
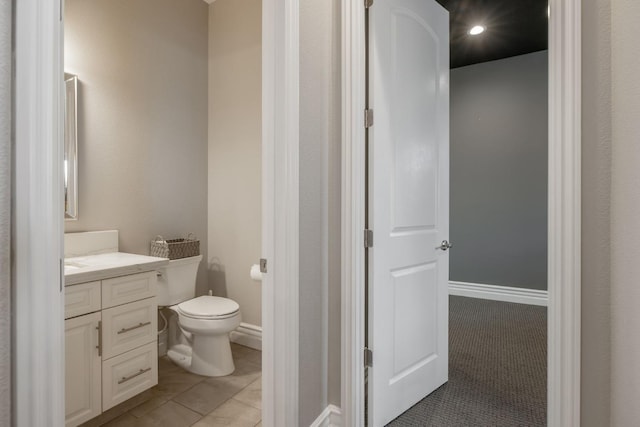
column 111, row 343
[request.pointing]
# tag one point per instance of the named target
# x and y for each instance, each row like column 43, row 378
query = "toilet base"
column 216, row 349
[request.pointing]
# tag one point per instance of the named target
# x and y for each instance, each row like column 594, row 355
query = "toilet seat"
column 208, row 307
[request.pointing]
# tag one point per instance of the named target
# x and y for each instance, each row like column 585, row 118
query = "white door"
column 83, row 370
column 408, row 204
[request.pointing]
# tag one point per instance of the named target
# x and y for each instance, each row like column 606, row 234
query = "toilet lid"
column 208, row 307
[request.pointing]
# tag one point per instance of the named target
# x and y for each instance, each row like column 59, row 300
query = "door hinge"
column 263, row 265
column 368, row 238
column 368, row 3
column 368, row 357
column 368, row 118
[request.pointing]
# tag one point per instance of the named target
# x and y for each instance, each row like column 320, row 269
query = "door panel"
column 408, row 203
column 82, row 369
column 415, row 292
column 413, row 117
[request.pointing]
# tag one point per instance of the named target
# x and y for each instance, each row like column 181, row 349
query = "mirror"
column 71, row 147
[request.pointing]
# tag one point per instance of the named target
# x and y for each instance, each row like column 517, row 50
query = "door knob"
column 444, row 245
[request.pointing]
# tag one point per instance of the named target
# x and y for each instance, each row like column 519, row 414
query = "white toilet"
column 202, row 342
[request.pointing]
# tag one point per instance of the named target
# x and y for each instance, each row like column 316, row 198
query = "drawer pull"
column 124, row 330
column 99, row 346
column 130, row 377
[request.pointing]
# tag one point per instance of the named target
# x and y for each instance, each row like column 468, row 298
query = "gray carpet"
column 497, row 368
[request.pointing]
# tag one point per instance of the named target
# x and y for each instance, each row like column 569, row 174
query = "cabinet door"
column 83, row 369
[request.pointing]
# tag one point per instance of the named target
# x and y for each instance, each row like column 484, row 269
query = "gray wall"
column 5, row 212
column 625, row 213
column 499, row 172
column 319, row 381
column 142, row 68
column 235, row 156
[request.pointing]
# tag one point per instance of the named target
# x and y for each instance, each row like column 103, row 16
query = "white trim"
column 248, row 335
column 280, row 168
column 353, row 187
column 563, row 206
column 38, row 325
column 499, row 293
column 330, row 417
column 564, row 253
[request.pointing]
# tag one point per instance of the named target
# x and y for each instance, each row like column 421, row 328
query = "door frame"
column 37, row 223
column 564, row 213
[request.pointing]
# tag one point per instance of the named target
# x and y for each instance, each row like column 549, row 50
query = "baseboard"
column 247, row 335
column 330, row 417
column 499, row 293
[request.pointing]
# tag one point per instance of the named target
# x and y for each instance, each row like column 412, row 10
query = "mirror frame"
column 70, row 165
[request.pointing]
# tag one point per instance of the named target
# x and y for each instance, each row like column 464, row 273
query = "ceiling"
column 513, row 27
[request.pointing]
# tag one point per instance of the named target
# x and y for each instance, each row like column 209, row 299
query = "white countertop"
column 102, row 266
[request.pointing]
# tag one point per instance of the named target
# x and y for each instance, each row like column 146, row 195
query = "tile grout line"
column 247, row 404
column 186, row 407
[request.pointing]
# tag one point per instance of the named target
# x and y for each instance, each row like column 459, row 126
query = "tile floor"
column 185, row 399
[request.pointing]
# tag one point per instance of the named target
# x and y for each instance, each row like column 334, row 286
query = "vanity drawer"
column 128, row 374
column 81, row 299
column 129, row 326
column 121, row 290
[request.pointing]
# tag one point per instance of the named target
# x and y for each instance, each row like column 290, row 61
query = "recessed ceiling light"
column 478, row 29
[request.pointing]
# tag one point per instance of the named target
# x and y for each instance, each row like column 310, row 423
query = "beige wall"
column 315, row 57
column 235, row 184
column 596, row 186
column 5, row 213
column 142, row 68
column 334, row 212
column 625, row 213
column 320, row 147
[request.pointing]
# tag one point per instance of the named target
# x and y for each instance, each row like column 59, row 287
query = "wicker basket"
column 175, row 248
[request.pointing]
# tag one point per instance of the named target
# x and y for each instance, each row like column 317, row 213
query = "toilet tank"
column 177, row 280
